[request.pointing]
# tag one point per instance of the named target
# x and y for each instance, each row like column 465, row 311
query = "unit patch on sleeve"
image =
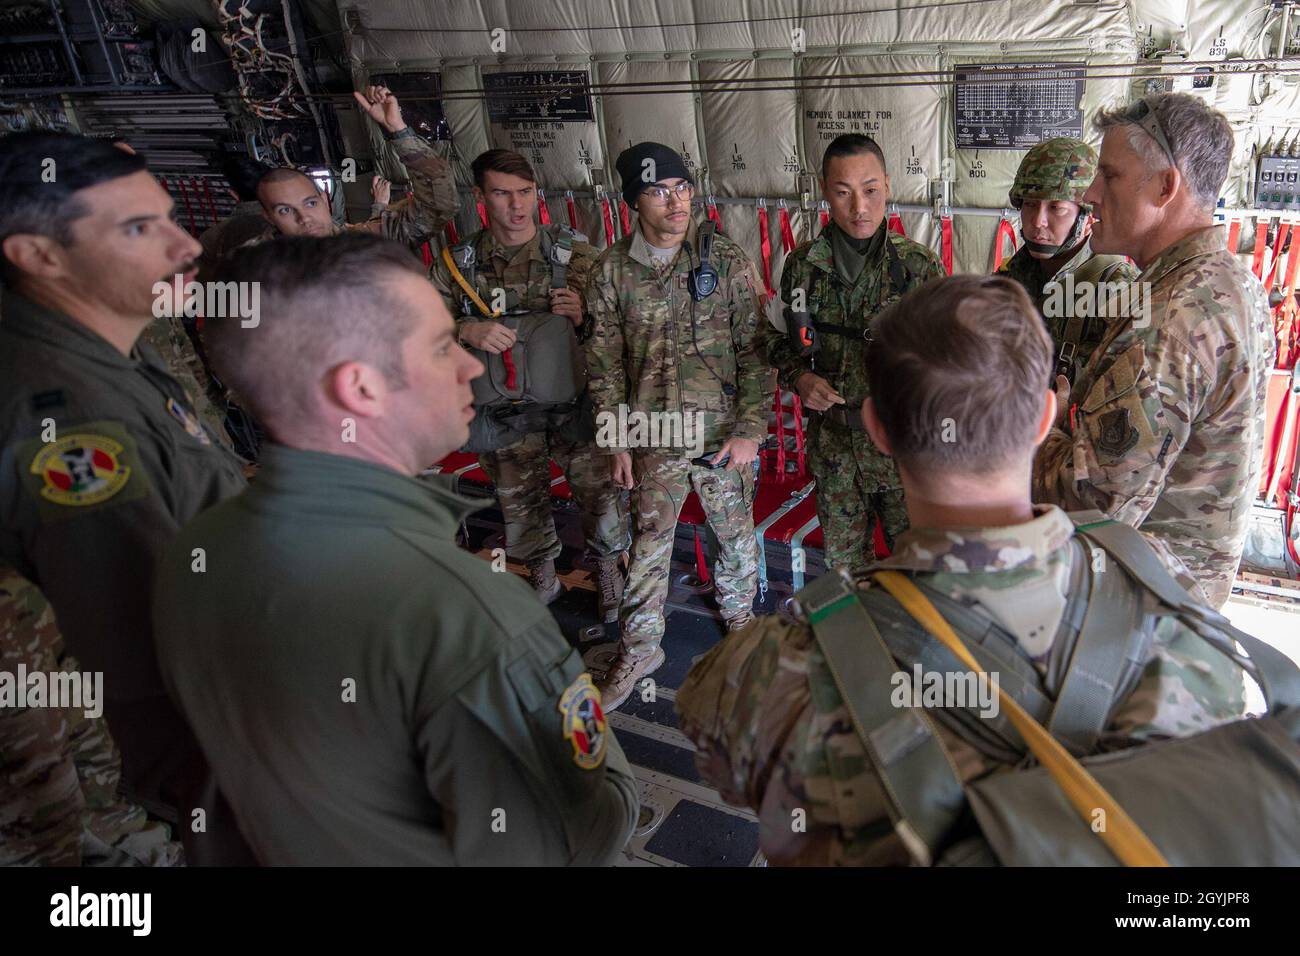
column 585, row 724
column 91, row 464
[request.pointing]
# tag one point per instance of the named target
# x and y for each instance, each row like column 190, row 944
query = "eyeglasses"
column 1146, row 118
column 661, row 194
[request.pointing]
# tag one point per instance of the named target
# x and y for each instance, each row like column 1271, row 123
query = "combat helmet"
column 1060, row 170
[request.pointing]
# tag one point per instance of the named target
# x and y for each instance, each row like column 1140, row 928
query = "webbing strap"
column 922, row 787
column 997, row 650
column 1109, row 654
column 1097, row 269
column 1278, row 676
column 464, row 284
column 558, row 251
column 1122, row 836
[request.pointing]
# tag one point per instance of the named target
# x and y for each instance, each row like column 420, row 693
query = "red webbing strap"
column 701, row 566
column 946, row 244
column 608, row 218
column 711, row 210
column 1261, row 244
column 509, row 361
column 787, row 234
column 765, row 247
column 1005, row 231
column 207, row 195
column 543, row 214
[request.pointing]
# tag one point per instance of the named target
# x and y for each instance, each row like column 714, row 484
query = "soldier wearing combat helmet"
column 1056, row 224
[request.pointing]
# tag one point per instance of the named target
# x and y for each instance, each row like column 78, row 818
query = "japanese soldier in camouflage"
column 1164, row 429
column 1056, row 261
column 516, row 264
column 674, row 310
column 764, row 708
column 832, row 287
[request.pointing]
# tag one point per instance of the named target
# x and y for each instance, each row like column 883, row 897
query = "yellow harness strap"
column 1122, row 836
column 464, row 284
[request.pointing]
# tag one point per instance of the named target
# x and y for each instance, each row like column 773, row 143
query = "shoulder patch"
column 95, row 463
column 584, row 722
column 188, row 420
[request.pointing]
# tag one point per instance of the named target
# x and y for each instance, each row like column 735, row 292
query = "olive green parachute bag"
column 536, row 385
column 1229, row 796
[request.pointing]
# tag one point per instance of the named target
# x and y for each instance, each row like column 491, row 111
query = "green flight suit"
column 102, row 460
column 369, row 693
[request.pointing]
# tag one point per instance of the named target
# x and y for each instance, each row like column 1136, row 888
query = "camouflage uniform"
column 1166, row 424
column 654, row 349
column 421, row 215
column 168, row 337
column 774, row 734
column 522, row 472
column 59, row 769
column 1026, row 270
column 1061, row 170
column 857, row 485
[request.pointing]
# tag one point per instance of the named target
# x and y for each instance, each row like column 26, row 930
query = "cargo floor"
column 683, row 821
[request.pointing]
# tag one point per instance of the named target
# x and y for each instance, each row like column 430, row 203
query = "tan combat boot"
column 624, row 672
column 609, row 584
column 541, row 575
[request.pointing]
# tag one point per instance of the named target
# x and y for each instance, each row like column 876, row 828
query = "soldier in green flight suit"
column 832, row 286
column 102, row 456
column 368, row 692
column 1056, row 225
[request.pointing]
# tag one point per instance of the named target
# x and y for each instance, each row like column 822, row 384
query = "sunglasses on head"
column 1147, row 119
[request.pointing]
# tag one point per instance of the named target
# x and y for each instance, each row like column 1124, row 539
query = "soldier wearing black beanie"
column 637, row 174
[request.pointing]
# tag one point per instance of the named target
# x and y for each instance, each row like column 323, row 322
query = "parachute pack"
column 539, row 383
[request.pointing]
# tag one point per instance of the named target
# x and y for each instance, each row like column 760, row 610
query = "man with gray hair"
column 1164, row 428
column 368, row 692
